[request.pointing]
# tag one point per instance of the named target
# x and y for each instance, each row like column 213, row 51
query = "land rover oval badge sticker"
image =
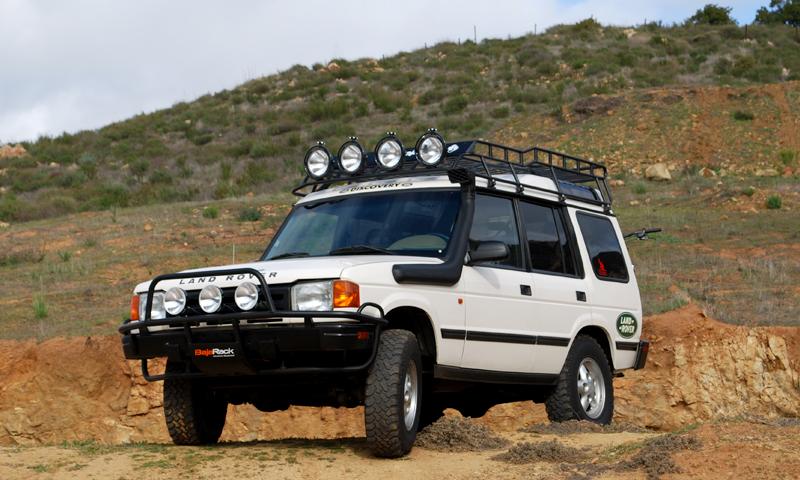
column 626, row 325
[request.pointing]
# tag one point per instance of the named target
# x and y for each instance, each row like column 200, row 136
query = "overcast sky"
column 81, row 64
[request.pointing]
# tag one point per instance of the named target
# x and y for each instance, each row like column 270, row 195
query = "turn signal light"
column 345, row 294
column 135, row 308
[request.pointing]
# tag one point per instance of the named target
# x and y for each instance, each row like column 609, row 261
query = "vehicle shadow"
column 355, row 445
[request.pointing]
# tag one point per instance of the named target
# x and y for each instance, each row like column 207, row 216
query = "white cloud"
column 67, row 66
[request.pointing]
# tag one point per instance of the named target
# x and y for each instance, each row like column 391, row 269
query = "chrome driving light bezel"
column 246, row 296
column 314, row 154
column 354, row 151
column 210, row 299
column 174, row 301
column 389, row 145
column 430, row 135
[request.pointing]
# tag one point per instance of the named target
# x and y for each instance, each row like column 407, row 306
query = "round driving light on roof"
column 174, row 300
column 210, row 298
column 246, row 296
column 430, row 148
column 389, row 152
column 318, row 161
column 351, row 156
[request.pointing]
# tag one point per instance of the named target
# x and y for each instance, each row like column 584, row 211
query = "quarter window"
column 495, row 221
column 548, row 244
column 603, row 246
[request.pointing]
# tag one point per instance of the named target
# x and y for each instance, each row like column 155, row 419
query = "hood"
column 284, row 271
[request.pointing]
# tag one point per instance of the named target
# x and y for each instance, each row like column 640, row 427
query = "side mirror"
column 490, row 251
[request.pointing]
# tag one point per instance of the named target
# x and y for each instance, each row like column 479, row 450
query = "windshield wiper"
column 360, row 250
column 289, row 255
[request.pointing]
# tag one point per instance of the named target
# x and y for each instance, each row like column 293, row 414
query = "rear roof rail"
column 574, row 178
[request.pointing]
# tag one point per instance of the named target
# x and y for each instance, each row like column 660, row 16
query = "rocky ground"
column 74, row 405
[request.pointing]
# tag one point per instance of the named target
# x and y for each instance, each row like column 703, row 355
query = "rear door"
column 559, row 287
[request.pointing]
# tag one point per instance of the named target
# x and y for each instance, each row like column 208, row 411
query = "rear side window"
column 495, row 221
column 548, row 244
column 603, row 246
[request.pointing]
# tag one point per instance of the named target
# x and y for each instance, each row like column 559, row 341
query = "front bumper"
column 641, row 354
column 253, row 342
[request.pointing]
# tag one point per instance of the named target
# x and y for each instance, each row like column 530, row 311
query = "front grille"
column 280, row 297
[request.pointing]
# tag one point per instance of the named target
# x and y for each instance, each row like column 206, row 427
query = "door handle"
column 581, row 296
column 525, row 290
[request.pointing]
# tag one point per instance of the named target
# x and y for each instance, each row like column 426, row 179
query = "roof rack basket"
column 574, row 178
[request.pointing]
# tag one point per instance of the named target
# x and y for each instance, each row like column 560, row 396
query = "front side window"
column 603, row 246
column 548, row 244
column 495, row 221
column 399, row 223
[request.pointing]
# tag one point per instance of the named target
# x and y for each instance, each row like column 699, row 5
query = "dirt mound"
column 655, row 458
column 699, row 369
column 532, row 452
column 575, row 426
column 456, row 434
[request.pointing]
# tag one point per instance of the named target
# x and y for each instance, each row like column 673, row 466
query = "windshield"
column 395, row 223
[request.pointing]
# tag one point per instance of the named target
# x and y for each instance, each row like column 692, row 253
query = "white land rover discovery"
column 455, row 275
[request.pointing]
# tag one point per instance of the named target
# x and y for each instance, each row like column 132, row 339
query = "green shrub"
column 639, row 188
column 787, row 156
column 211, row 212
column 455, row 104
column 249, row 214
column 39, row 307
column 500, row 112
column 65, row 256
column 264, row 149
column 774, row 202
column 749, row 191
column 743, row 116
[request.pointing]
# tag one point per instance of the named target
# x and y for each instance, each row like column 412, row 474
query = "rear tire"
column 584, row 390
column 393, row 400
column 195, row 415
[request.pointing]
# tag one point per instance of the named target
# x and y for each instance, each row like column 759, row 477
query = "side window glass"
column 566, row 244
column 603, row 246
column 543, row 239
column 495, row 221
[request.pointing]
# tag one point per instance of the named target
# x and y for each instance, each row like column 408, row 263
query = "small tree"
column 712, row 14
column 780, row 11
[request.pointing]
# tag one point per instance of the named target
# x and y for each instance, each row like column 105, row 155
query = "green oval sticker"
column 626, row 325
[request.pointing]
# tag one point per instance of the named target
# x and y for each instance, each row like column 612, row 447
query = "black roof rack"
column 574, row 178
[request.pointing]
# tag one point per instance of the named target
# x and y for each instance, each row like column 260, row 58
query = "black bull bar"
column 255, row 316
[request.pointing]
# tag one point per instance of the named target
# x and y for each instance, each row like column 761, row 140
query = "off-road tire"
column 387, row 434
column 564, row 402
column 194, row 414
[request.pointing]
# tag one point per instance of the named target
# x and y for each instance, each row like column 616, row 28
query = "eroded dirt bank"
column 699, row 369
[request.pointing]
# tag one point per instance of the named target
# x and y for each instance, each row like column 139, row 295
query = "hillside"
column 251, row 138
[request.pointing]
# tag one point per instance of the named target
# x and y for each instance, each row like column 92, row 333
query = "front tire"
column 584, row 390
column 195, row 415
column 392, row 405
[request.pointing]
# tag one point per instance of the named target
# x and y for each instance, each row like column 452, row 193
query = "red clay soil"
column 699, row 369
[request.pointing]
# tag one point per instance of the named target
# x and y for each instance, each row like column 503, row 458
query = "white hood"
column 284, row 271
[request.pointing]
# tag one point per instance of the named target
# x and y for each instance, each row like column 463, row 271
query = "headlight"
column 313, row 296
column 351, row 156
column 246, row 296
column 318, row 161
column 174, row 300
column 157, row 311
column 389, row 152
column 430, row 148
column 210, row 298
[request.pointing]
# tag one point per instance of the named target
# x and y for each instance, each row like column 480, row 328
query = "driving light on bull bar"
column 351, row 156
column 430, row 148
column 210, row 298
column 246, row 296
column 174, row 300
column 318, row 161
column 389, row 152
